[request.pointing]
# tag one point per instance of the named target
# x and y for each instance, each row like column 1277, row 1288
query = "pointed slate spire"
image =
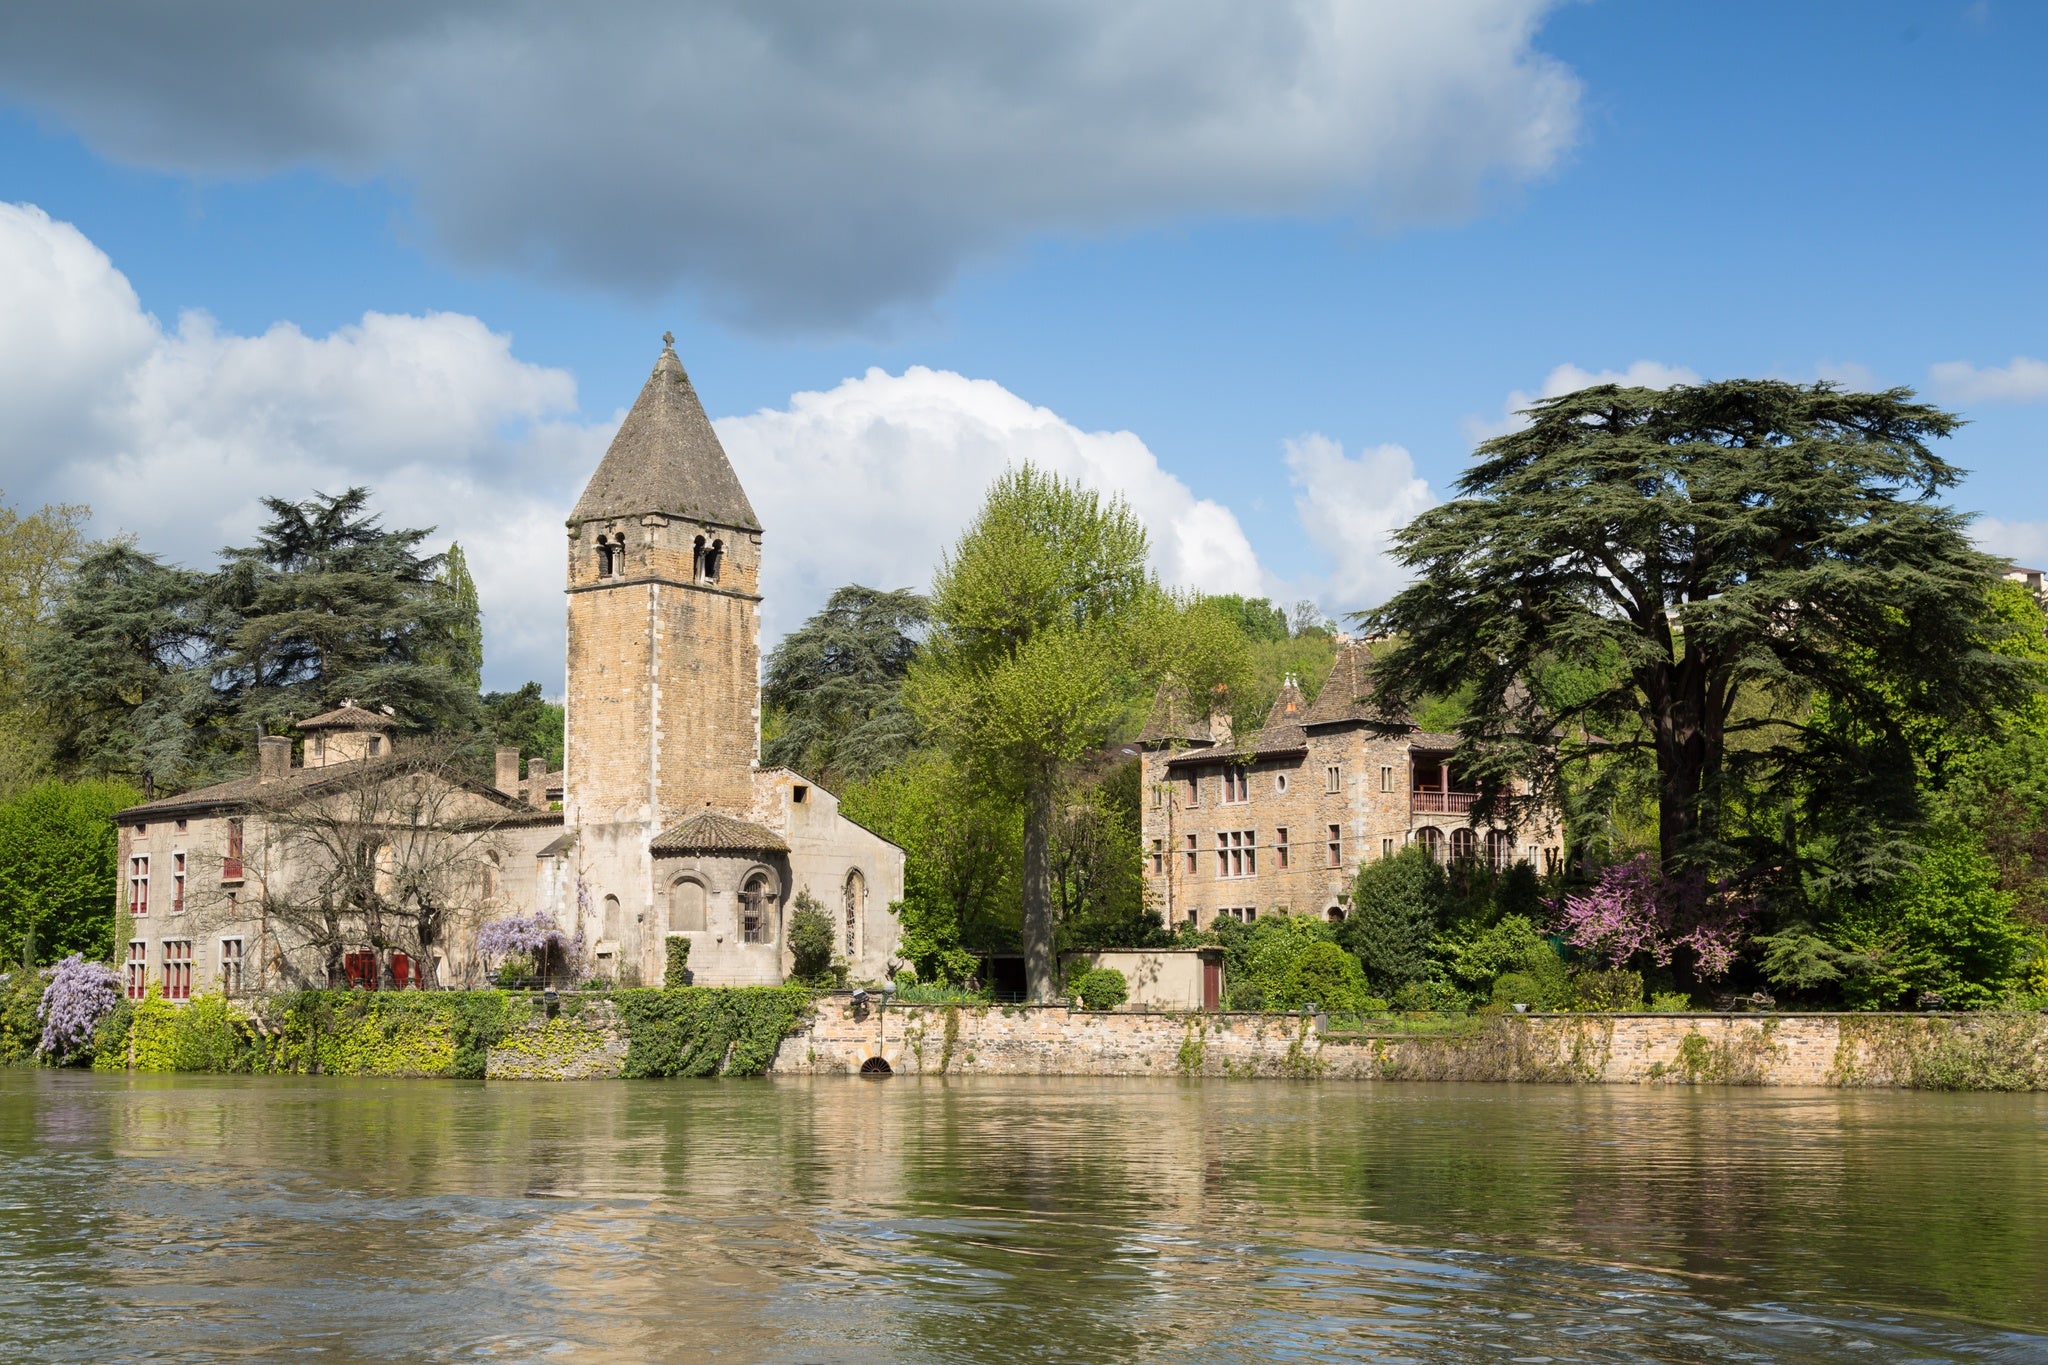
column 666, row 458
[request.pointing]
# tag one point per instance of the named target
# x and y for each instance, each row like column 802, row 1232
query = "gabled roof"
column 666, row 458
column 349, row 716
column 710, row 832
column 1173, row 719
column 242, row 792
column 1280, row 733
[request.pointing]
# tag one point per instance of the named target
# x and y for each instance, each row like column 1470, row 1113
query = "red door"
column 1212, row 983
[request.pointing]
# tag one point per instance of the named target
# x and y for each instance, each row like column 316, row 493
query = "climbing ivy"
column 706, row 1030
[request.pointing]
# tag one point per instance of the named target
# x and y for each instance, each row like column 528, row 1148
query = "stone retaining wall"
column 1965, row 1051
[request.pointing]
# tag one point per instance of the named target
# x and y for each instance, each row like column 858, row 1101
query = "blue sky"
column 1853, row 191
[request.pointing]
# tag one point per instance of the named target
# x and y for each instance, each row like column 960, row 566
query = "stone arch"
column 876, row 1066
column 1500, row 849
column 1464, row 843
column 856, row 905
column 1431, row 838
column 759, row 900
column 688, row 899
column 614, row 918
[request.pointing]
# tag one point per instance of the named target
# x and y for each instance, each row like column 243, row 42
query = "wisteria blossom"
column 532, row 934
column 1634, row 908
column 78, row 996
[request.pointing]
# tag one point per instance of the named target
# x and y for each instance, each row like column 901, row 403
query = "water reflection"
column 840, row 1219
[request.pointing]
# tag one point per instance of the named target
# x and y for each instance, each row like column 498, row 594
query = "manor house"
column 662, row 821
column 1280, row 820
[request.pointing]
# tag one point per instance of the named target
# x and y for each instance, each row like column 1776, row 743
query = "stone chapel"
column 663, row 820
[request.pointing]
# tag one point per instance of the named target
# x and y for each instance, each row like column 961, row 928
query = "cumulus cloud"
column 872, row 480
column 811, row 164
column 1350, row 508
column 2024, row 380
column 175, row 433
column 2023, row 542
column 1645, row 374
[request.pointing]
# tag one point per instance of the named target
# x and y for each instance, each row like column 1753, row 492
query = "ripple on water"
column 208, row 1219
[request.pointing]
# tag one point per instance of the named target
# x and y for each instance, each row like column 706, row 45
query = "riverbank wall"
column 1959, row 1051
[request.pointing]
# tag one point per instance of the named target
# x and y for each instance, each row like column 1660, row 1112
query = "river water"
column 829, row 1219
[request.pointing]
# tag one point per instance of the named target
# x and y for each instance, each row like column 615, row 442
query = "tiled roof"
column 247, row 790
column 710, row 832
column 1173, row 719
column 349, row 716
column 666, row 458
column 1347, row 691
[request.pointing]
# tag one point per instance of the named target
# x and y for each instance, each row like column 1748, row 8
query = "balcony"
column 1441, row 803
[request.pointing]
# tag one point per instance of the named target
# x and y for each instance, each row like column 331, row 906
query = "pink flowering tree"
column 78, row 996
column 1634, row 909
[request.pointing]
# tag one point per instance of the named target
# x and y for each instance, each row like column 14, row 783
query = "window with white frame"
column 177, row 883
column 231, row 966
column 1280, row 848
column 1280, row 783
column 1386, row 778
column 1333, row 779
column 1336, row 845
column 177, row 969
column 138, row 885
column 1386, row 848
column 1237, row 787
column 1192, row 854
column 1243, row 914
column 1237, row 853
column 137, row 969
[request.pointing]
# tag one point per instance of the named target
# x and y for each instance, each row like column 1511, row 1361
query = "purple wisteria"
column 533, row 935
column 79, row 995
column 1634, row 908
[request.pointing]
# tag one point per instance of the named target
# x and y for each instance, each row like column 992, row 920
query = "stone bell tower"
column 664, row 623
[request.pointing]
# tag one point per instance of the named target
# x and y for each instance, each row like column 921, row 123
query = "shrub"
column 1102, row 988
column 1635, row 909
column 1670, row 1002
column 1517, row 988
column 1396, row 905
column 676, row 973
column 810, row 939
column 1609, row 991
column 1258, row 957
column 1323, row 974
column 1473, row 960
column 21, row 996
column 1431, row 995
column 911, row 991
column 78, row 996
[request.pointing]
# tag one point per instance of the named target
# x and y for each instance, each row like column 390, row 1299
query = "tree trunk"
column 1038, row 890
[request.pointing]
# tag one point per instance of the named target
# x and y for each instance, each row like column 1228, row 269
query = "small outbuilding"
column 1161, row 978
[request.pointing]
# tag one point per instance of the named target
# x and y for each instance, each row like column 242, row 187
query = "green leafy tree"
column 1098, row 866
column 1045, row 623
column 38, row 553
column 1255, row 617
column 1945, row 930
column 810, row 939
column 58, row 878
column 835, row 686
column 329, row 604
column 527, row 721
column 462, row 652
column 1397, row 905
column 1716, row 540
column 120, row 670
column 1322, row 974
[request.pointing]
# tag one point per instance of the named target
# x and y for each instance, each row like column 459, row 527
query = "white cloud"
column 813, row 164
column 175, row 435
column 2024, row 380
column 2023, row 542
column 1647, row 374
column 870, row 481
column 1349, row 509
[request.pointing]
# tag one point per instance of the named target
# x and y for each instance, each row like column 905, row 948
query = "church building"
column 666, row 824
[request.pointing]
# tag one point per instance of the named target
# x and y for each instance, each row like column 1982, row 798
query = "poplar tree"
column 1773, row 593
column 463, row 652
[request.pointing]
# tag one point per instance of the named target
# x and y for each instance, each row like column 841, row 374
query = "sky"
column 1267, row 270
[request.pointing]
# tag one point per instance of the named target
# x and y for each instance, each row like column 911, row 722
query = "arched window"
column 1464, row 843
column 757, row 910
column 856, row 904
column 697, row 561
column 1500, row 849
column 604, row 558
column 614, row 918
column 490, row 876
column 686, row 906
column 1431, row 838
column 714, row 556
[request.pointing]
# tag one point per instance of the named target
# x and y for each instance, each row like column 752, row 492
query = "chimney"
column 273, row 758
column 508, row 772
column 1219, row 716
column 537, row 783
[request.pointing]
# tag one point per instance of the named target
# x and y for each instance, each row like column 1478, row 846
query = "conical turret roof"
column 666, row 458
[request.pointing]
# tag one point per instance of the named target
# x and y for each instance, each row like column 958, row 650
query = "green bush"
column 1324, row 975
column 1474, row 957
column 1613, row 990
column 1670, row 1002
column 810, row 940
column 1102, row 988
column 1517, row 988
column 21, row 990
column 1432, row 995
column 911, row 991
column 676, row 973
column 708, row 1030
column 1258, row 957
column 1397, row 904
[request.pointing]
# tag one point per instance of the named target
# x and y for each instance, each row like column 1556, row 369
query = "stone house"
column 1279, row 821
column 661, row 822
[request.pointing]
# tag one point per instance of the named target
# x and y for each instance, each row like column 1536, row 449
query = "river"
column 215, row 1218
